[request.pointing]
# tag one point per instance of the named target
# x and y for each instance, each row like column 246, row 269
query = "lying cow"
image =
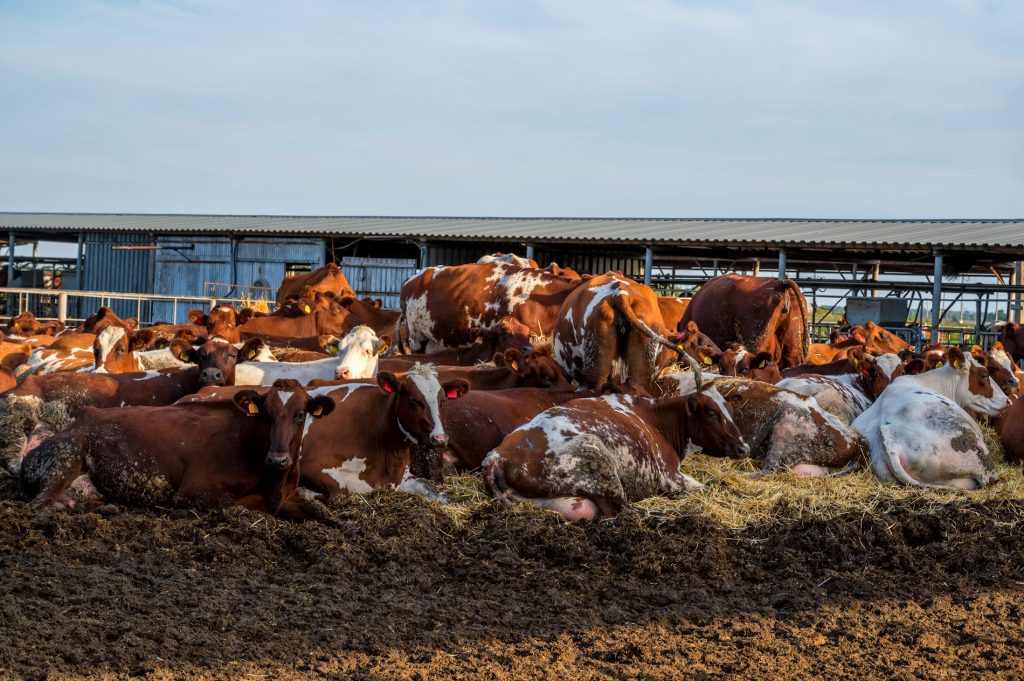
column 355, row 356
column 203, row 454
column 506, row 334
column 592, row 456
column 511, row 369
column 848, row 395
column 365, row 444
column 47, row 404
column 785, row 431
column 919, row 433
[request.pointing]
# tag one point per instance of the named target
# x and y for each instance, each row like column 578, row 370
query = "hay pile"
column 737, row 500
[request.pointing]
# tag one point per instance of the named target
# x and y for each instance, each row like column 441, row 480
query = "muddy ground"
column 403, row 590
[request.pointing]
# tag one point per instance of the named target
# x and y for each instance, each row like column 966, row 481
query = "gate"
column 378, row 277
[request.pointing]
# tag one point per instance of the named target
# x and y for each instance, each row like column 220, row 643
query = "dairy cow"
column 848, row 395
column 328, row 278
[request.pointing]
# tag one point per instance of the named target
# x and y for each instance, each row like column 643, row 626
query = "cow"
column 99, row 320
column 380, row 320
column 765, row 315
column 786, row 431
column 920, row 434
column 512, row 369
column 881, row 341
column 365, row 443
column 48, row 403
column 736, row 360
column 71, row 352
column 611, row 319
column 115, row 351
column 510, row 259
column 507, row 334
column 672, row 309
column 1010, row 427
column 318, row 316
column 216, row 453
column 442, row 305
column 26, row 324
column 848, row 395
column 356, row 357
column 1000, row 366
column 592, row 456
column 1011, row 338
column 14, row 354
column 821, row 353
column 220, row 322
column 696, row 344
column 328, row 278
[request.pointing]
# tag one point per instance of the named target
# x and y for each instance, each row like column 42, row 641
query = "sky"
column 645, row 108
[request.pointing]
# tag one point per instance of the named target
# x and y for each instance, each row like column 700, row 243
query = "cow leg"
column 572, row 508
column 598, row 367
column 56, row 464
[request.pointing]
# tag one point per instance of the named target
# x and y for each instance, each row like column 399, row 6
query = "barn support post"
column 62, row 306
column 874, row 278
column 936, row 296
column 529, row 251
column 648, row 264
column 782, row 263
column 423, row 253
column 756, row 271
column 1015, row 315
column 78, row 261
column 10, row 259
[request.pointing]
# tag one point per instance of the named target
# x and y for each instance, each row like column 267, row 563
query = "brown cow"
column 512, row 369
column 26, row 324
column 327, row 278
column 822, row 353
column 101, row 319
column 365, row 443
column 380, row 320
column 441, row 305
column 14, row 354
column 672, row 310
column 1011, row 431
column 611, row 318
column 212, row 453
column 765, row 315
column 880, row 341
column 592, row 456
column 220, row 322
column 322, row 315
column 70, row 352
column 736, row 360
column 508, row 334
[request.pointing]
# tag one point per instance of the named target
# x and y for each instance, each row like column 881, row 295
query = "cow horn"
column 698, row 377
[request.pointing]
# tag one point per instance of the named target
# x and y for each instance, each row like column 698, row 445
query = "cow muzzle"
column 439, row 440
column 742, row 450
column 342, row 373
column 211, row 377
column 278, row 459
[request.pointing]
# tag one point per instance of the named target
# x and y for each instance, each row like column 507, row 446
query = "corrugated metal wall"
column 106, row 269
column 579, row 258
column 201, row 266
column 378, row 277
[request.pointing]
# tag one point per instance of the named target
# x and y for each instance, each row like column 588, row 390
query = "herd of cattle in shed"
column 577, row 393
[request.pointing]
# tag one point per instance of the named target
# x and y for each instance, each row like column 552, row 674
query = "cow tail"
column 802, row 302
column 494, row 478
column 621, row 304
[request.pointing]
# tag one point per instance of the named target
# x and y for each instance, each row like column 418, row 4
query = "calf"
column 356, row 357
column 593, row 456
column 736, row 360
column 507, row 334
column 848, row 395
column 203, row 454
column 512, row 369
column 786, row 431
column 920, row 434
column 26, row 324
column 365, row 443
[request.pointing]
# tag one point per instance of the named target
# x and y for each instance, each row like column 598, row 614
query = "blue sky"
column 574, row 107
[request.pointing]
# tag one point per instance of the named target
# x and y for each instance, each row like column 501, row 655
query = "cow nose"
column 441, row 439
column 277, row 459
column 342, row 372
column 212, row 376
column 743, row 449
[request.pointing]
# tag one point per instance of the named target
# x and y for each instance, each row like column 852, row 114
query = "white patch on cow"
column 612, row 288
column 358, row 349
column 106, row 339
column 420, row 322
column 1002, row 359
column 424, row 377
column 888, row 363
column 347, row 476
column 148, row 376
column 358, row 352
column 839, row 395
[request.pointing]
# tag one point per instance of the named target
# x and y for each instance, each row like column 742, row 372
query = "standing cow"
column 765, row 315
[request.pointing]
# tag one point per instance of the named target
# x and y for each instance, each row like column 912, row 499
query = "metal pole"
column 874, row 278
column 423, row 253
column 62, row 306
column 782, row 263
column 1017, row 271
column 757, row 267
column 10, row 258
column 936, row 296
column 529, row 251
column 78, row 261
column 648, row 264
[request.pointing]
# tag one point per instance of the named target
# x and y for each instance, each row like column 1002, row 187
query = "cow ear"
column 456, row 388
column 182, row 350
column 388, row 382
column 250, row 349
column 498, row 359
column 244, row 315
column 249, row 402
column 378, row 303
column 692, row 405
column 130, row 323
column 515, row 360
column 347, row 302
column 320, row 406
column 305, row 306
column 141, row 339
column 761, row 360
column 914, row 367
column 957, row 359
column 197, row 317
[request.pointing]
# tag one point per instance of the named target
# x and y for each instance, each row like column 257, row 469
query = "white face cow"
column 357, row 353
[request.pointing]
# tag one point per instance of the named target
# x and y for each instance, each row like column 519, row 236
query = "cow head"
column 358, row 353
column 698, row 345
column 759, row 367
column 286, row 411
column 975, row 390
column 538, row 369
column 417, row 398
column 99, row 320
column 709, row 426
column 881, row 341
column 114, row 349
column 1012, row 340
column 216, row 359
column 875, row 375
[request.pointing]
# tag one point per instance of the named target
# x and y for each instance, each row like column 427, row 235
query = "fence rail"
column 74, row 306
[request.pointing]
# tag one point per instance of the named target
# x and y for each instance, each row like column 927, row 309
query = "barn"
column 165, row 263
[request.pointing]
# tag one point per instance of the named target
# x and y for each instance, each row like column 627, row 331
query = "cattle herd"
column 576, row 393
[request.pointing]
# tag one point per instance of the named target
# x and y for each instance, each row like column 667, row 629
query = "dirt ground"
column 401, row 589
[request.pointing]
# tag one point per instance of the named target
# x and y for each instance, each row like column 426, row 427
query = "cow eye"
column 414, row 402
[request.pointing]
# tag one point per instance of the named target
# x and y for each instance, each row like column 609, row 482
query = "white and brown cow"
column 354, row 356
column 591, row 456
column 848, row 395
column 610, row 319
column 442, row 305
column 785, row 431
column 920, row 434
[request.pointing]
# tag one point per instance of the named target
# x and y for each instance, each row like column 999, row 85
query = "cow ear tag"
column 761, row 365
column 388, row 388
column 250, row 354
column 384, row 348
column 183, row 357
column 306, row 309
column 707, row 360
column 319, row 410
column 452, row 394
column 514, row 366
column 940, row 364
column 679, row 348
column 332, row 349
column 253, row 409
column 956, row 364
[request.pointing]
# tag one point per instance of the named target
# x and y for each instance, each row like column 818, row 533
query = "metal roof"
column 896, row 234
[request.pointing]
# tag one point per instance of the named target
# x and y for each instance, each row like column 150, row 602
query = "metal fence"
column 74, row 306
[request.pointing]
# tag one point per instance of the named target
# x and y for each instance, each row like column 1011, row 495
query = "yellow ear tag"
column 384, row 348
column 319, row 410
column 253, row 409
column 761, row 365
column 250, row 354
column 332, row 349
column 183, row 357
column 956, row 364
column 306, row 309
column 514, row 365
column 707, row 360
column 679, row 348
